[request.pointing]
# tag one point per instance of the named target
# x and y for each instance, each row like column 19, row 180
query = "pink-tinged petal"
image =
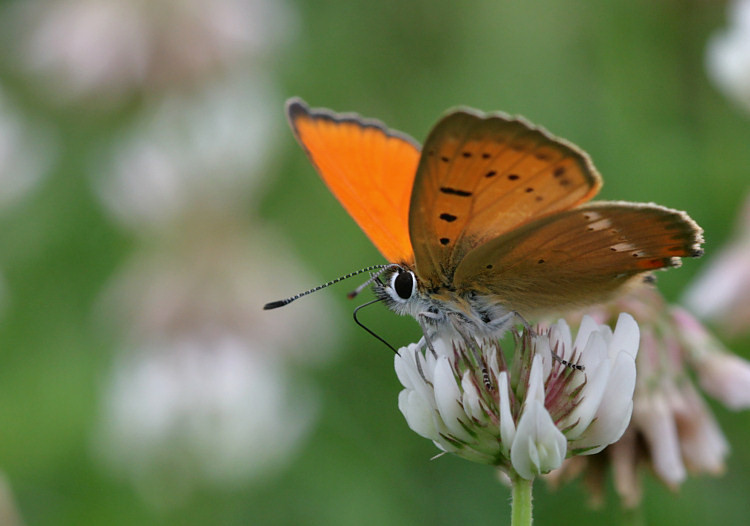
column 726, row 377
column 722, row 374
column 720, row 293
column 656, row 422
column 713, row 293
column 624, row 457
column 703, row 444
column 705, row 450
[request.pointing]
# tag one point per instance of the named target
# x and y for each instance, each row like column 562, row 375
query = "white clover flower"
column 27, row 152
column 524, row 417
column 202, row 392
column 204, row 409
column 214, row 281
column 188, row 155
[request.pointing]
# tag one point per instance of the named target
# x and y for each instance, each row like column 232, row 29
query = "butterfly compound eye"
column 403, row 283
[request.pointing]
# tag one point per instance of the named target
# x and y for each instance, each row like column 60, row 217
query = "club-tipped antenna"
column 356, row 320
column 353, row 294
column 287, row 301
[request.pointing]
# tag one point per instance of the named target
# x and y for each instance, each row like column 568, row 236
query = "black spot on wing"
column 448, row 217
column 455, row 191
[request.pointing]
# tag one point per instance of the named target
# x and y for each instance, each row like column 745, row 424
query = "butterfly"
column 489, row 220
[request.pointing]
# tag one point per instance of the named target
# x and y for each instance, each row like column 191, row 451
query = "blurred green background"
column 625, row 80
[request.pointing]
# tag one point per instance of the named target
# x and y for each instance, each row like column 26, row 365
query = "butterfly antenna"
column 287, row 301
column 353, row 294
column 356, row 320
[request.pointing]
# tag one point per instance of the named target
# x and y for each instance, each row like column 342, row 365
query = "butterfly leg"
column 459, row 325
column 502, row 323
column 418, row 362
column 422, row 318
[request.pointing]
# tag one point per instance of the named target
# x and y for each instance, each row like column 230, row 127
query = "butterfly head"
column 398, row 288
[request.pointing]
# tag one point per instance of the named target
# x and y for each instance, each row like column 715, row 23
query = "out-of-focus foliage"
column 626, row 80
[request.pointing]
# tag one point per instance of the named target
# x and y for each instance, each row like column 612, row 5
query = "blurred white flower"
column 103, row 50
column 27, row 150
column 201, row 391
column 205, row 150
column 216, row 280
column 201, row 409
column 728, row 55
column 526, row 417
column 721, row 292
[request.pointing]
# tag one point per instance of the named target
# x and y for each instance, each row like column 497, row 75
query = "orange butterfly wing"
column 577, row 257
column 369, row 168
column 481, row 176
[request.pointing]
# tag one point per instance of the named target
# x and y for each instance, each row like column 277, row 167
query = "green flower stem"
column 521, row 501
